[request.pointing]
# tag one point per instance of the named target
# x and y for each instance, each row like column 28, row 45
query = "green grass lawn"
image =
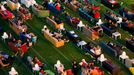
column 49, row 54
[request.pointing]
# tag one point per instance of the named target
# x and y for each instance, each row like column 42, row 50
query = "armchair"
column 54, row 24
column 40, row 12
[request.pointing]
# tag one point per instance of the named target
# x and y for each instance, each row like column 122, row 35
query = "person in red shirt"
column 96, row 15
column 58, row 7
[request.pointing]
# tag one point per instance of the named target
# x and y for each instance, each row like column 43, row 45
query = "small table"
column 122, row 58
column 80, row 26
column 81, row 43
column 115, row 35
column 101, row 60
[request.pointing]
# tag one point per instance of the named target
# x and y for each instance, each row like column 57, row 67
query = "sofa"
column 72, row 7
column 123, row 12
column 108, row 17
column 40, row 13
column 110, row 5
column 52, row 8
column 54, row 24
column 111, row 67
column 12, row 5
column 90, row 33
column 73, row 36
column 13, row 47
column 25, row 16
column 8, row 16
column 53, row 40
column 90, row 52
column 16, row 29
column 124, row 26
column 85, row 15
column 108, row 30
column 130, row 45
column 111, row 50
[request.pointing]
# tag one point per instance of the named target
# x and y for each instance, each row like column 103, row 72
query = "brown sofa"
column 53, row 40
column 25, row 16
column 90, row 33
column 13, row 47
column 53, row 23
column 72, row 7
column 17, row 30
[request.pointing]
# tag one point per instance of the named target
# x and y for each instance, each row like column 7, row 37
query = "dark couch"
column 85, row 15
column 124, row 13
column 108, row 30
column 72, row 37
column 112, row 68
column 52, row 8
column 90, row 52
column 125, row 27
column 110, row 5
column 130, row 45
column 108, row 17
column 112, row 51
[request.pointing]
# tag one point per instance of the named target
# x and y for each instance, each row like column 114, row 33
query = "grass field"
column 49, row 54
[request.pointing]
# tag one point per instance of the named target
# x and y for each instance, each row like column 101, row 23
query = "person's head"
column 110, row 21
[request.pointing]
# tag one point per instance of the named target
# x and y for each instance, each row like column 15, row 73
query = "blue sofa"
column 130, row 45
column 123, row 13
column 90, row 52
column 125, row 27
column 73, row 37
column 85, row 15
column 107, row 30
column 52, row 8
column 108, row 17
column 110, row 5
column 115, row 51
column 108, row 49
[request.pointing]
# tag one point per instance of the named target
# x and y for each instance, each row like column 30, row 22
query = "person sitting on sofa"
column 59, row 67
column 97, row 51
column 56, row 19
column 3, row 9
column 75, row 2
column 15, row 1
column 3, row 61
column 37, row 61
column 132, row 39
column 25, row 11
column 38, row 7
column 18, row 44
column 58, row 6
column 73, row 20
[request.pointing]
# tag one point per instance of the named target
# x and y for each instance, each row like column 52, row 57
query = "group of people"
column 85, row 68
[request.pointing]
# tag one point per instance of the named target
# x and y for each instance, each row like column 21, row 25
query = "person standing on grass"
column 74, row 67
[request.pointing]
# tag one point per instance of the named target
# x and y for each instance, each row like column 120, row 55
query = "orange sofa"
column 53, row 40
column 54, row 24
